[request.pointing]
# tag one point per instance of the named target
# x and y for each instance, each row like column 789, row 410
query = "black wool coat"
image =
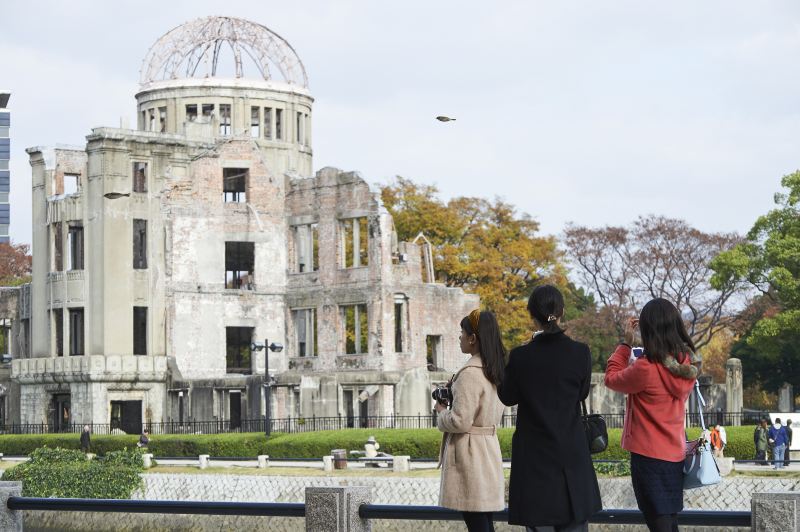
column 552, row 478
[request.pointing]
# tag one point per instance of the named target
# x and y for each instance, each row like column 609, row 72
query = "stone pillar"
column 203, row 459
column 401, row 464
column 786, row 398
column 733, row 387
column 263, row 461
column 327, row 463
column 336, row 509
column 776, row 511
column 10, row 520
column 147, row 460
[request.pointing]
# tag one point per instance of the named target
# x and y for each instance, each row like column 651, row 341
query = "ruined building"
column 161, row 254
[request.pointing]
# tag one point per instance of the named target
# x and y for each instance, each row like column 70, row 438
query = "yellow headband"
column 474, row 319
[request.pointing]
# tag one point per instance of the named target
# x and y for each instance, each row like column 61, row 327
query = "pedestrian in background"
column 85, row 439
column 787, row 455
column 144, row 439
column 553, row 485
column 778, row 438
column 658, row 385
column 761, row 441
column 716, row 441
column 470, row 457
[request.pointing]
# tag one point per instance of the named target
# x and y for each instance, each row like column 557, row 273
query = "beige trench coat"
column 472, row 465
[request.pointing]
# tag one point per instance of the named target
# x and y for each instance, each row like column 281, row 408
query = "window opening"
column 75, row 246
column 139, row 177
column 354, row 242
column 140, row 244
column 268, row 123
column 152, row 123
column 306, row 241
column 139, row 330
column 5, row 336
column 235, row 409
column 255, row 122
column 237, row 357
column 400, row 323
column 279, row 124
column 76, row 331
column 191, row 112
column 58, row 326
column 355, row 329
column 305, row 324
column 299, row 134
column 71, row 184
column 433, row 347
column 224, row 119
column 239, row 261
column 162, row 119
column 58, row 255
column 234, row 183
column 208, row 111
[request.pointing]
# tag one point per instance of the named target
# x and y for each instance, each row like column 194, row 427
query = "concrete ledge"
column 10, row 521
column 776, row 511
column 336, row 509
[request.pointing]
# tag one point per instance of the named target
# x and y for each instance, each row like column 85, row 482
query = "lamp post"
column 275, row 348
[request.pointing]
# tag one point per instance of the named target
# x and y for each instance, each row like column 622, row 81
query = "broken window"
column 237, row 349
column 224, row 119
column 268, row 123
column 306, row 242
column 299, row 128
column 433, row 347
column 144, row 121
column 139, row 177
column 255, row 122
column 234, row 183
column 58, row 255
column 191, row 112
column 76, row 331
column 354, row 242
column 305, row 327
column 75, row 246
column 58, row 326
column 5, row 336
column 400, row 323
column 140, row 244
column 208, row 111
column 239, row 261
column 305, row 129
column 71, row 183
column 139, row 330
column 355, row 329
column 278, row 124
column 162, row 119
column 152, row 122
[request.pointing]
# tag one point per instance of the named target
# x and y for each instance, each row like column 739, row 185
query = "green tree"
column 769, row 262
column 482, row 246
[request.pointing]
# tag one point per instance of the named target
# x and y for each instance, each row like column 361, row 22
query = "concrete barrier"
column 263, row 461
column 327, row 463
column 401, row 464
column 10, row 521
column 147, row 460
column 336, row 509
column 776, row 511
column 203, row 460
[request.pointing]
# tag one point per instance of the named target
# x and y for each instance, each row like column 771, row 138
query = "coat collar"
column 475, row 360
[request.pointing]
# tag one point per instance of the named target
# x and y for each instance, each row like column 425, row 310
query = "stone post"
column 263, row 461
column 336, row 509
column 10, row 520
column 733, row 387
column 203, row 459
column 786, row 398
column 147, row 460
column 775, row 511
column 327, row 463
column 401, row 464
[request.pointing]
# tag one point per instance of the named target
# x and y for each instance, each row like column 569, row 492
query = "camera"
column 443, row 395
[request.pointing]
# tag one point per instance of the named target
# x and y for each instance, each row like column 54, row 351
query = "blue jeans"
column 778, row 455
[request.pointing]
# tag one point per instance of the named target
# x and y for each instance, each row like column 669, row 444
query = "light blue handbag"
column 699, row 467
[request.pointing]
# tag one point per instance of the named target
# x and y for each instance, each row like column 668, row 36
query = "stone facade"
column 203, row 231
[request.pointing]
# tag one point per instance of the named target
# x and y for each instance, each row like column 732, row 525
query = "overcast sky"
column 591, row 112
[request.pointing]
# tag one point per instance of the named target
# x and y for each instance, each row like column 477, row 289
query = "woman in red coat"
column 658, row 384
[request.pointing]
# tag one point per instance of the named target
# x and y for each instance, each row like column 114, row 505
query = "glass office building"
column 5, row 172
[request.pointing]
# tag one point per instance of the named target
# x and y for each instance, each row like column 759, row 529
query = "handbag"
column 596, row 432
column 699, row 467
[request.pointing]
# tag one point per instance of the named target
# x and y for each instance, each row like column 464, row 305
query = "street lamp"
column 275, row 348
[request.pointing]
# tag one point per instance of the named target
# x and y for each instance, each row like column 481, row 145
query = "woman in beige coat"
column 472, row 466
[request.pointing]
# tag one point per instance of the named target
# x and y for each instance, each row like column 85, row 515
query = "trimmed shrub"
column 68, row 473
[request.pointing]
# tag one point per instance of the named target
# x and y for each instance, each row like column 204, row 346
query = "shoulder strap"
column 700, row 404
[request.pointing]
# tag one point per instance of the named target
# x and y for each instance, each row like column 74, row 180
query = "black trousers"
column 478, row 521
column 575, row 527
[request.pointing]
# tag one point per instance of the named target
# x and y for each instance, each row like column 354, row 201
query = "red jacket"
column 655, row 407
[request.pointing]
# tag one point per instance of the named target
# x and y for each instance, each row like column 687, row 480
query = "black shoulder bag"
column 596, row 432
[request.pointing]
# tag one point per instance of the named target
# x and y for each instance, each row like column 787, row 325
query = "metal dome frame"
column 180, row 52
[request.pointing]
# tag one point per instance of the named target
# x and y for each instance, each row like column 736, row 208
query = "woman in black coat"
column 553, row 484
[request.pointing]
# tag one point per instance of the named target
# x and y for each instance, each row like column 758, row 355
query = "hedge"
column 417, row 443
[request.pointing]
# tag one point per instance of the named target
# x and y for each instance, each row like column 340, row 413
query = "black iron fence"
column 310, row 424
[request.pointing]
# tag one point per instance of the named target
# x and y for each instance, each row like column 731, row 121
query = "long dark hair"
column 663, row 331
column 493, row 353
column 546, row 305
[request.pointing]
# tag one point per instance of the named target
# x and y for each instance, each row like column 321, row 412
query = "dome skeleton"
column 180, row 52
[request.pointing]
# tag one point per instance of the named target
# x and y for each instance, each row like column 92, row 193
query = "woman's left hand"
column 439, row 407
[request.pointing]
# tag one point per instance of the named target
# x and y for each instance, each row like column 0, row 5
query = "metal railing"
column 311, row 424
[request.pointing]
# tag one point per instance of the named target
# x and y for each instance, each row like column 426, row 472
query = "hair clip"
column 551, row 317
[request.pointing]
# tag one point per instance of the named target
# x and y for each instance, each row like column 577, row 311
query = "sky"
column 586, row 112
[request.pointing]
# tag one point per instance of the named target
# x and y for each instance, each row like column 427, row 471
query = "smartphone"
column 637, row 351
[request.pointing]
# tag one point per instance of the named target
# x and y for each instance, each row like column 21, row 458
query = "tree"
column 769, row 262
column 482, row 246
column 654, row 257
column 15, row 264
